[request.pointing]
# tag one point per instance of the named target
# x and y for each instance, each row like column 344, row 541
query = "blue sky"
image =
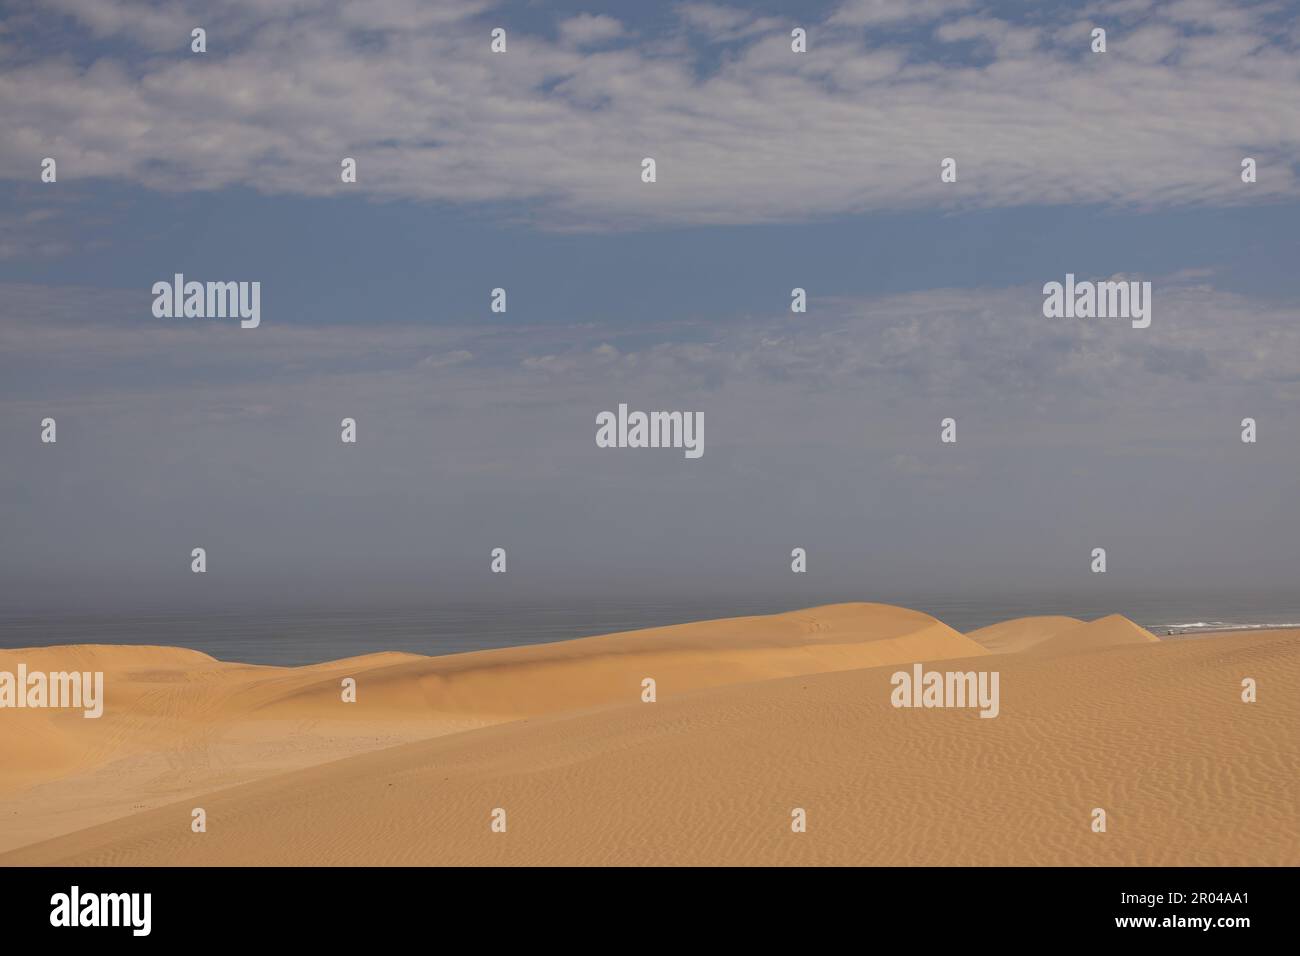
column 521, row 170
column 412, row 253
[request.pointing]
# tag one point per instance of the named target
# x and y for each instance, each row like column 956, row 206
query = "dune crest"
column 515, row 682
column 1114, row 630
column 103, row 657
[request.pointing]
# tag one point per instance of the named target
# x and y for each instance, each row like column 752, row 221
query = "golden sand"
column 754, row 717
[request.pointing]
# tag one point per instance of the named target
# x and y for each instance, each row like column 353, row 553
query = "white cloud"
column 446, row 359
column 878, row 12
column 857, row 124
column 157, row 25
column 587, row 28
column 724, row 24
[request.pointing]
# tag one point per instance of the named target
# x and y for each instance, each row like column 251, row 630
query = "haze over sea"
column 304, row 635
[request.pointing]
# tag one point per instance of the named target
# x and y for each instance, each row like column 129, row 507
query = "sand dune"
column 1111, row 631
column 1060, row 635
column 178, row 722
column 1154, row 733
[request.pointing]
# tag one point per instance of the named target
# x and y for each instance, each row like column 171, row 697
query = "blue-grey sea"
column 305, row 636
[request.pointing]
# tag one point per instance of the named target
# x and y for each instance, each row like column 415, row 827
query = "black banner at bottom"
column 325, row 906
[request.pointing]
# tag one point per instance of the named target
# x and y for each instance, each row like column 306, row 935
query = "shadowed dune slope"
column 1009, row 637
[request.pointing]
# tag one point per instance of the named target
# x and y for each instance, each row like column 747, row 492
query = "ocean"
column 306, row 636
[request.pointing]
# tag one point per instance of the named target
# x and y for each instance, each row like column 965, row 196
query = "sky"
column 522, row 170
